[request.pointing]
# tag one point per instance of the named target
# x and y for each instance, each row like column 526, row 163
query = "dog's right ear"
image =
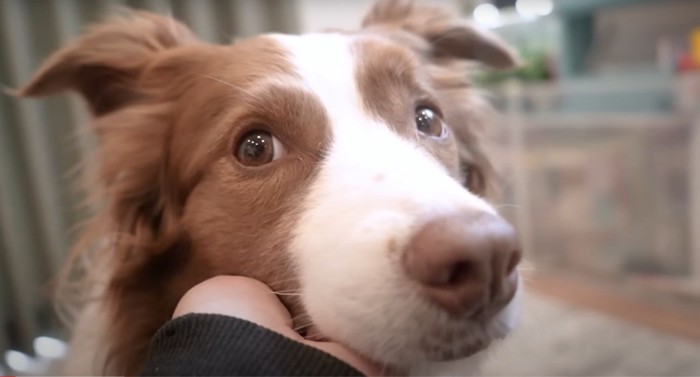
column 104, row 64
column 447, row 35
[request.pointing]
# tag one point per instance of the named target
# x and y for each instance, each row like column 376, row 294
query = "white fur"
column 86, row 352
column 374, row 188
column 506, row 322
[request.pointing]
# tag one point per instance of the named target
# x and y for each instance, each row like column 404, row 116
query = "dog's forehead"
column 325, row 64
column 365, row 83
column 337, row 67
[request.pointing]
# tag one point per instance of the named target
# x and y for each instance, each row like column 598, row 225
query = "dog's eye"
column 428, row 122
column 258, row 148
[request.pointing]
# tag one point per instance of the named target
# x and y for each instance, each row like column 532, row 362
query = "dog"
column 346, row 166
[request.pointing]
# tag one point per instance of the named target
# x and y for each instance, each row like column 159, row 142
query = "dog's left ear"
column 446, row 35
column 105, row 63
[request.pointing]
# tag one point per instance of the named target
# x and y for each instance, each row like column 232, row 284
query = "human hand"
column 251, row 300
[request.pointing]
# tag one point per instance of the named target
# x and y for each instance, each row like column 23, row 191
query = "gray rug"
column 556, row 339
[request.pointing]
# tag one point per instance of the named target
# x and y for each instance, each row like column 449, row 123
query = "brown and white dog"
column 346, row 167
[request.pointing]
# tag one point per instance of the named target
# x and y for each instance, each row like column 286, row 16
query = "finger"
column 239, row 297
column 254, row 301
column 230, row 295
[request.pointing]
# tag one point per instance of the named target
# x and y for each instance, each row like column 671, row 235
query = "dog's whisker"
column 302, row 323
column 222, row 82
column 278, row 282
column 286, row 294
column 527, row 268
column 282, row 281
column 289, row 292
column 302, row 327
column 521, row 270
column 526, row 265
column 528, row 279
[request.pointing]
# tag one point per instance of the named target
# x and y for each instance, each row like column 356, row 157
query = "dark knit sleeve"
column 217, row 345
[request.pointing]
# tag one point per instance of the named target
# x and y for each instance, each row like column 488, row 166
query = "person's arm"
column 218, row 345
column 236, row 326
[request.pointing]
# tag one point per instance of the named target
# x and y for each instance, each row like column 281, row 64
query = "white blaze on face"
column 373, row 190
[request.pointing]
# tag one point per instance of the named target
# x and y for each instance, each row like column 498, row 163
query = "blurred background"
column 599, row 142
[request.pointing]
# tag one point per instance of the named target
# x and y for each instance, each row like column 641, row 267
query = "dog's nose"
column 465, row 263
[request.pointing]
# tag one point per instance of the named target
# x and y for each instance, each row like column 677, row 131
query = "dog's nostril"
column 458, row 273
column 462, row 260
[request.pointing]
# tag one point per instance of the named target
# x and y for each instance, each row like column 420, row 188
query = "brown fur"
column 174, row 207
column 443, row 43
column 167, row 119
column 446, row 35
column 389, row 78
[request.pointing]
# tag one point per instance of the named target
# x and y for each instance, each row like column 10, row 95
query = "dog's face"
column 342, row 169
column 332, row 162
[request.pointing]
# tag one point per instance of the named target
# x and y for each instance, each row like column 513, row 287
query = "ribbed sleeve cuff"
column 217, row 345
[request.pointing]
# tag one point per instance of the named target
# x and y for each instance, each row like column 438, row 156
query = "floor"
column 557, row 339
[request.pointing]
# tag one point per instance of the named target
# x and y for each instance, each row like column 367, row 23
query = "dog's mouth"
column 436, row 336
column 442, row 342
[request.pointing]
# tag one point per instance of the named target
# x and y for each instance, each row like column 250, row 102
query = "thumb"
column 238, row 297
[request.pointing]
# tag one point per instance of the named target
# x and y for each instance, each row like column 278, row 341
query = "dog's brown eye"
column 429, row 122
column 258, row 148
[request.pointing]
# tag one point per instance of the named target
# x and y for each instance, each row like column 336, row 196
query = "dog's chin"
column 461, row 340
column 442, row 352
column 410, row 334
column 463, row 356
column 451, row 352
column 435, row 350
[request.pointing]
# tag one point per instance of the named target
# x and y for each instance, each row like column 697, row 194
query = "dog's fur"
column 328, row 220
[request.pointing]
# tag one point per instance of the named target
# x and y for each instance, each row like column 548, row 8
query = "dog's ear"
column 443, row 39
column 446, row 35
column 104, row 64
